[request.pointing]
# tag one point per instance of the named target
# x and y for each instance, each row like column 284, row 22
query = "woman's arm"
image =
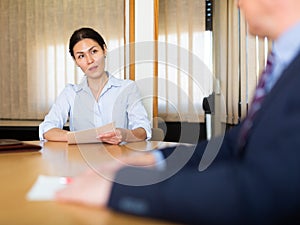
column 52, row 127
column 56, row 134
column 137, row 115
column 138, row 134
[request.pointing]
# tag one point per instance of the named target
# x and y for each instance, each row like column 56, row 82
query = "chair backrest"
column 157, row 134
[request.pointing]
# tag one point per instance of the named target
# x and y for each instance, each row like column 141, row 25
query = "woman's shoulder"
column 76, row 87
column 121, row 82
column 71, row 87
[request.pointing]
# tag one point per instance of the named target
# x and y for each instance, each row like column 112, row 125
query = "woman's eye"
column 80, row 56
column 94, row 51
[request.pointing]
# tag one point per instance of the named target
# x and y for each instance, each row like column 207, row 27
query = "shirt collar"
column 112, row 81
column 287, row 46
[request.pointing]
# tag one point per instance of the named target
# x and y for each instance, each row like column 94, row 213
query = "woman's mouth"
column 93, row 68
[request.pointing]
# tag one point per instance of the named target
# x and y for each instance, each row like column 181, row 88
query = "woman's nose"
column 89, row 59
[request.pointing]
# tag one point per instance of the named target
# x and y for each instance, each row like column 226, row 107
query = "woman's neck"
column 96, row 85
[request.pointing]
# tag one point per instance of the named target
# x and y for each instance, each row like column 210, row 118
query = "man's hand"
column 89, row 188
column 93, row 187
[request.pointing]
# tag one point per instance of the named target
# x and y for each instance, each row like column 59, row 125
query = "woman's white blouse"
column 119, row 102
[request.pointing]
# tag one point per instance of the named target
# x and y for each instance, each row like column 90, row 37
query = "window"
column 35, row 64
column 185, row 60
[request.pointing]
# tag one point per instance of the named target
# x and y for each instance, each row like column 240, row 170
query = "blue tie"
column 258, row 98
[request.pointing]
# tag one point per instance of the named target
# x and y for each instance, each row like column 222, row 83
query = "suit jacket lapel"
column 288, row 76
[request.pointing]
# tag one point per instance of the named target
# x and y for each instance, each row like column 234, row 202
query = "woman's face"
column 89, row 56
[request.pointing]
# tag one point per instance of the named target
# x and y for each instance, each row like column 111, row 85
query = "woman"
column 98, row 100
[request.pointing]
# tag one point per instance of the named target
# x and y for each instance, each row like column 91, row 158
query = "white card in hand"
column 89, row 135
column 45, row 187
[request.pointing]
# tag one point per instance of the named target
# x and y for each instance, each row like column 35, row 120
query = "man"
column 253, row 181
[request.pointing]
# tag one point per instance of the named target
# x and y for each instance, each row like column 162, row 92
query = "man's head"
column 270, row 18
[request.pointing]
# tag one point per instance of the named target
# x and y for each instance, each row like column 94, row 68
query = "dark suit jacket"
column 261, row 186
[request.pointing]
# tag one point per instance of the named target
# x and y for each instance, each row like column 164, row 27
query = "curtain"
column 239, row 59
column 35, row 64
column 184, row 60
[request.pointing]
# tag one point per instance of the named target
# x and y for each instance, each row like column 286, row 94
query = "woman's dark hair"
column 83, row 33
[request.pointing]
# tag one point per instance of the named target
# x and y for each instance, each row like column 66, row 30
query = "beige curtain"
column 238, row 61
column 184, row 60
column 35, row 64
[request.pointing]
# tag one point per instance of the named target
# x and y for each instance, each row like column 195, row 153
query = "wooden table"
column 19, row 171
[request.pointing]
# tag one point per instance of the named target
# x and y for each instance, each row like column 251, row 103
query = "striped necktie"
column 257, row 100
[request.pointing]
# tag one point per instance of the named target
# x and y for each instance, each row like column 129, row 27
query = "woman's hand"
column 114, row 137
column 120, row 135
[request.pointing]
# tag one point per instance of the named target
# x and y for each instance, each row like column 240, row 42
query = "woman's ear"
column 105, row 51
